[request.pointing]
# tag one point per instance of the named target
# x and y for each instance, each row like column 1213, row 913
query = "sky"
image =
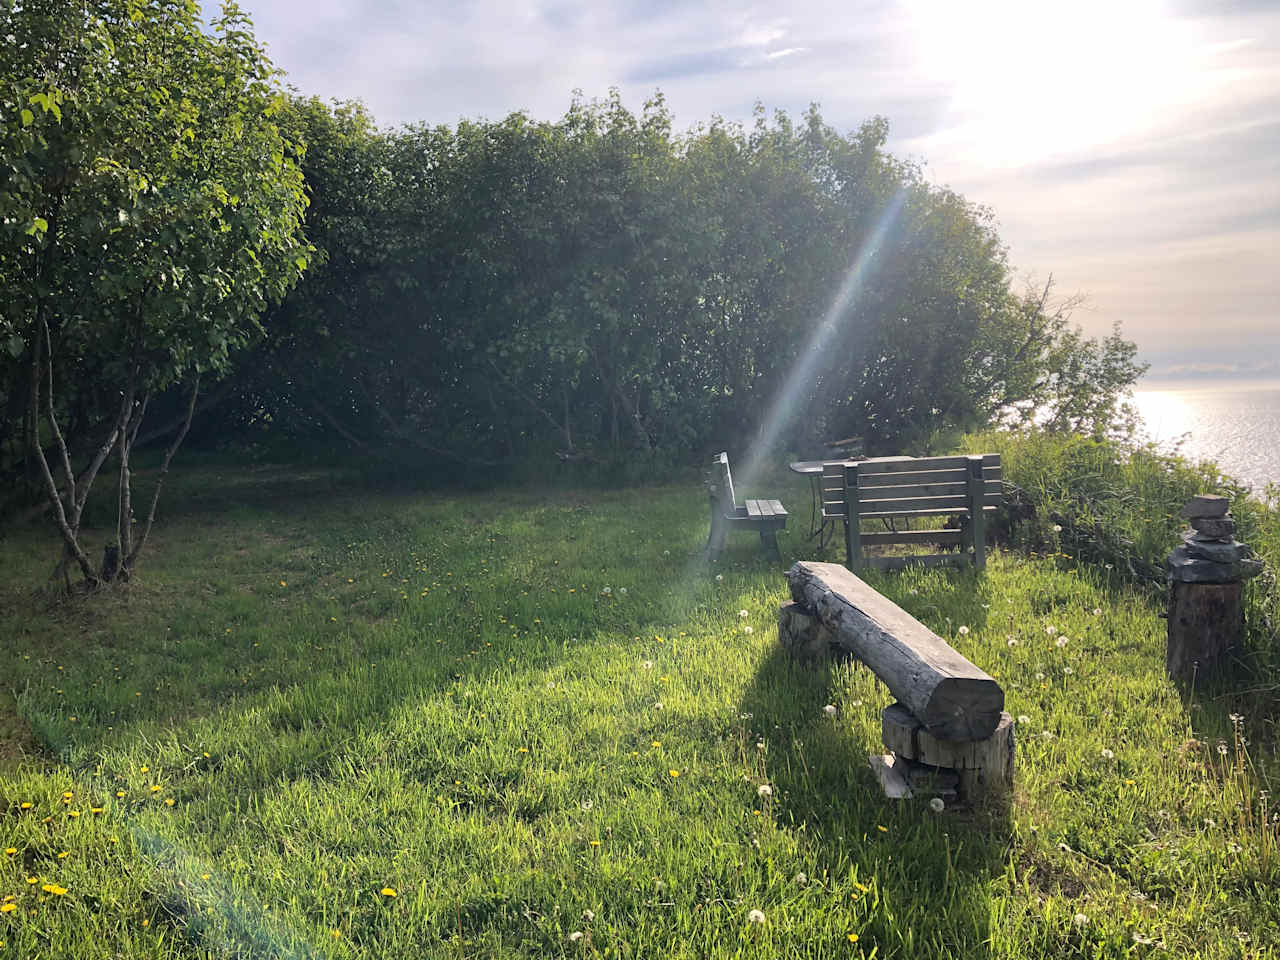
column 1130, row 149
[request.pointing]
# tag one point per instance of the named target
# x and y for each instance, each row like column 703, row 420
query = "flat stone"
column 890, row 774
column 1230, row 551
column 931, row 779
column 1208, row 505
column 1214, row 528
column 1185, row 568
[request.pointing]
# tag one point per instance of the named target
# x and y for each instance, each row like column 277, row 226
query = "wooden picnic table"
column 812, row 469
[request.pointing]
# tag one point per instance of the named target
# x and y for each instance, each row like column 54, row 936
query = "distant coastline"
column 1233, row 422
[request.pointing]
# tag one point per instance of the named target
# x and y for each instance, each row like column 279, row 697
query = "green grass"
column 313, row 694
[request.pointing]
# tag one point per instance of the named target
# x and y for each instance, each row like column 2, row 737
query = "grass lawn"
column 332, row 723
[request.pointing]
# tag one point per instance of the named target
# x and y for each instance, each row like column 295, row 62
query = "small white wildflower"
column 748, row 629
column 764, row 790
column 1012, row 641
column 856, row 703
column 1081, row 920
column 743, row 614
column 1222, row 747
column 1051, row 630
column 588, row 915
column 1236, row 718
column 829, row 709
column 623, row 591
column 1023, row 718
column 962, row 631
column 719, row 578
column 755, row 916
column 607, row 590
column 801, row 879
column 1108, row 754
column 1097, row 611
column 936, row 805
column 1061, row 642
column 1039, row 676
column 586, row 805
column 1108, row 565
column 648, row 664
column 575, row 936
column 658, row 705
column 1068, row 671
column 1057, row 528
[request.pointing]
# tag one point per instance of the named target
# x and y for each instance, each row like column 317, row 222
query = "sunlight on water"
column 1235, row 424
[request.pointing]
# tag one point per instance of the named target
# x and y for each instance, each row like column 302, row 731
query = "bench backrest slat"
column 721, row 476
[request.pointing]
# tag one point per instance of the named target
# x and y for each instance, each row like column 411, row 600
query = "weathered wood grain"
column 953, row 698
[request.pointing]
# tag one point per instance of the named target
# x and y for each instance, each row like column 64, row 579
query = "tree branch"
column 128, row 561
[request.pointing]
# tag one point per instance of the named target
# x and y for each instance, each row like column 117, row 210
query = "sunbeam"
column 798, row 381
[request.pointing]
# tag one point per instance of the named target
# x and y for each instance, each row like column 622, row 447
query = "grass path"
column 349, row 725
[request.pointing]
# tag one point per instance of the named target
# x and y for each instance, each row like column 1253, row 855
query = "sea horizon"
column 1233, row 422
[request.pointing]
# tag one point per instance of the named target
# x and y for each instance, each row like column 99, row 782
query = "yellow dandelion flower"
column 388, row 891
column 146, row 923
column 595, row 843
column 53, row 888
column 674, row 773
column 156, row 788
column 64, row 854
column 95, row 809
column 853, row 938
column 68, row 795
column 32, row 880
column 11, row 850
column 73, row 813
column 25, row 805
column 168, row 801
column 8, row 908
column 144, row 769
column 119, row 793
column 336, row 933
column 284, row 583
column 882, row 829
column 205, row 876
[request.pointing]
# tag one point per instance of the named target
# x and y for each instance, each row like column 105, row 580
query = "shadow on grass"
column 934, row 869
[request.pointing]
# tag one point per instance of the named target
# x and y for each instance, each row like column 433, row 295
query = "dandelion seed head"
column 1108, row 754
column 755, row 916
column 1023, row 718
column 743, row 614
column 829, row 710
column 764, row 790
column 575, row 936
column 1080, row 920
column 937, row 805
column 962, row 630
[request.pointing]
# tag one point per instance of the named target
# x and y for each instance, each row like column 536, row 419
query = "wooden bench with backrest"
column 968, row 487
column 766, row 516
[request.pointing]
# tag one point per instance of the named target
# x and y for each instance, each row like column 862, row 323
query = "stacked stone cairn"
column 1206, row 575
column 1210, row 552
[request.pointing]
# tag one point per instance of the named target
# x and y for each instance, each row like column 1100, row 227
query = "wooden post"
column 1206, row 620
column 977, row 519
column 1206, row 574
column 852, row 525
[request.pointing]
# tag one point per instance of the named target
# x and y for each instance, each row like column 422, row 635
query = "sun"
column 1026, row 80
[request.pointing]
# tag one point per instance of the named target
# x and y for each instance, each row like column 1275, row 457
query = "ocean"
column 1236, row 424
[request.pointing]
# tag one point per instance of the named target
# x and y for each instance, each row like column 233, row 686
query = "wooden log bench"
column 948, row 733
column 765, row 516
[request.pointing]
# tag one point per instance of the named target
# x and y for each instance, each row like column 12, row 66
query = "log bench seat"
column 949, row 721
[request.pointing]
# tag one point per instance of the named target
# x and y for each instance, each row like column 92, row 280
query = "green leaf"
column 301, row 262
column 28, row 117
column 38, row 225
